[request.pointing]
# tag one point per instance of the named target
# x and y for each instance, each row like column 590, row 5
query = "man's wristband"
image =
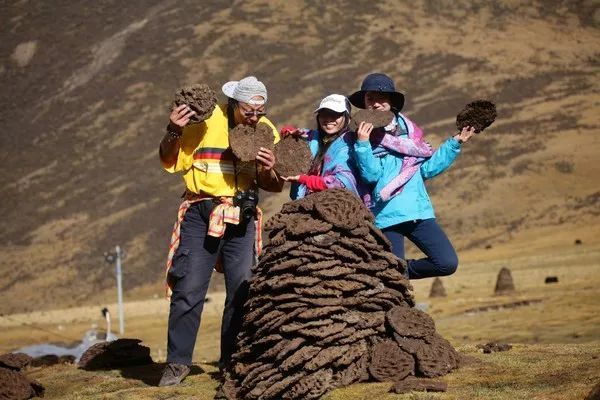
column 174, row 132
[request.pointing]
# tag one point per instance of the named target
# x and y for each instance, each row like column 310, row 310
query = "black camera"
column 247, row 201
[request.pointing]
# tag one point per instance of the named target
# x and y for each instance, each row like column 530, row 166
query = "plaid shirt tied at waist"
column 223, row 213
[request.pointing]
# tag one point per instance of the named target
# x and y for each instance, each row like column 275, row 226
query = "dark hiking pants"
column 190, row 276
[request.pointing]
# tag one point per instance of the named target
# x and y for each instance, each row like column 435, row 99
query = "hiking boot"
column 173, row 374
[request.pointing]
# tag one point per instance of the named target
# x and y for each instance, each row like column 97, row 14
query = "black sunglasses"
column 249, row 114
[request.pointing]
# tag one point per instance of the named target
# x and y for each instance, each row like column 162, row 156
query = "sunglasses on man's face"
column 251, row 113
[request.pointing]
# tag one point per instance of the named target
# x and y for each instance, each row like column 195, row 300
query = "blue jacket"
column 338, row 170
column 413, row 203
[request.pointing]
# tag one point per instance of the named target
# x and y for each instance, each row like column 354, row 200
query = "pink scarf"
column 415, row 150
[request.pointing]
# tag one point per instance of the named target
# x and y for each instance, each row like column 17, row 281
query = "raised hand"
column 294, row 178
column 181, row 115
column 364, row 131
column 291, row 130
column 266, row 158
column 465, row 134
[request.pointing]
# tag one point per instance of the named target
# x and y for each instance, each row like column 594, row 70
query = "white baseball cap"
column 244, row 90
column 335, row 102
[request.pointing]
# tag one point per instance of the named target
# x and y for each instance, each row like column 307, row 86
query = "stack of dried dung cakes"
column 13, row 382
column 329, row 306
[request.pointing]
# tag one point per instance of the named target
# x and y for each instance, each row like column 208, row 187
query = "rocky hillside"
column 86, row 88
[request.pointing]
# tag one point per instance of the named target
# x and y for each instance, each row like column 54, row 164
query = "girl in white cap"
column 330, row 145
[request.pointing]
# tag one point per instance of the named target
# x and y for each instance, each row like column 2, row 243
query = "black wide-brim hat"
column 377, row 83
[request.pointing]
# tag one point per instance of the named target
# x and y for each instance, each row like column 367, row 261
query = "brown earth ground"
column 556, row 342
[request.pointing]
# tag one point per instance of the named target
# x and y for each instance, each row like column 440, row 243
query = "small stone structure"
column 504, row 283
column 437, row 288
column 493, row 347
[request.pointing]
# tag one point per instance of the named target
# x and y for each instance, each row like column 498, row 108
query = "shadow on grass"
column 150, row 373
column 215, row 375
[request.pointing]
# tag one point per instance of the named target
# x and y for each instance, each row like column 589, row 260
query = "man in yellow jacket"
column 210, row 227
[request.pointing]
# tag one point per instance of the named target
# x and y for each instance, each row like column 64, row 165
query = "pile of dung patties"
column 329, row 306
column 13, row 383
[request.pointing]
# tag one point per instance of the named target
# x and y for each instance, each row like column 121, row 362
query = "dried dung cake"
column 379, row 119
column 118, row 353
column 246, row 140
column 199, row 97
column 15, row 361
column 293, row 156
column 389, row 362
column 492, row 347
column 479, row 114
column 13, row 383
column 52, row 359
column 329, row 306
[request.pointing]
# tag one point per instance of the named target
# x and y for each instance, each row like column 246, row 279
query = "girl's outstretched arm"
column 445, row 155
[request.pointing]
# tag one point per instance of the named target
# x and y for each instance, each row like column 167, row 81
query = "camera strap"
column 235, row 174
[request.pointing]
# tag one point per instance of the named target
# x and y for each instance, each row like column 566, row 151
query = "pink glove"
column 287, row 130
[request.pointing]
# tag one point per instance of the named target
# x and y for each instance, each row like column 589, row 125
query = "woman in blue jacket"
column 401, row 205
column 330, row 146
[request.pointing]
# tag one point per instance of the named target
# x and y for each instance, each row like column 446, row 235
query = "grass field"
column 556, row 353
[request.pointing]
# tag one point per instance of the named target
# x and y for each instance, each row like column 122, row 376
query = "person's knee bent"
column 447, row 265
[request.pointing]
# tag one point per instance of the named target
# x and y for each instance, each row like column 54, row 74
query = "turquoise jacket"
column 413, row 202
column 338, row 169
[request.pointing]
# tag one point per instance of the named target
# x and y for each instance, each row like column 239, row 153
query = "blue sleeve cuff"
column 362, row 145
column 454, row 143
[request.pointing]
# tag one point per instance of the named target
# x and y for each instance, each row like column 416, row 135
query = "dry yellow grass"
column 525, row 372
